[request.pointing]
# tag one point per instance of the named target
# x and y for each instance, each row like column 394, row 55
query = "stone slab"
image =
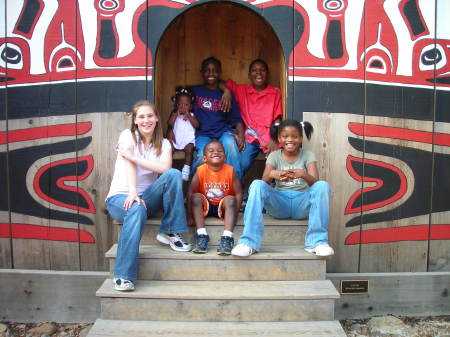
column 276, row 231
column 158, row 262
column 224, row 290
column 118, row 328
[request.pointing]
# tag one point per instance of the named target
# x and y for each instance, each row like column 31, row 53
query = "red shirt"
column 258, row 109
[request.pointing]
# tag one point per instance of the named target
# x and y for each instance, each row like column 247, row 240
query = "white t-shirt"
column 144, row 177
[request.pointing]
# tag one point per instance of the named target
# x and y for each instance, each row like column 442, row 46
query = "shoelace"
column 180, row 238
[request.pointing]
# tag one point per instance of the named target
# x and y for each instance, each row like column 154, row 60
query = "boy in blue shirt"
column 226, row 127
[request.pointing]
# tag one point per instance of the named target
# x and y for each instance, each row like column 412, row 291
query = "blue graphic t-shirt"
column 206, row 108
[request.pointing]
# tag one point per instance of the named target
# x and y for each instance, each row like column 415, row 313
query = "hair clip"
column 302, row 124
column 276, row 124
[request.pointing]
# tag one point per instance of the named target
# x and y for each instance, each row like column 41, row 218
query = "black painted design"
column 20, row 161
column 11, row 55
column 48, row 179
column 391, row 183
column 420, row 163
column 412, row 15
column 334, row 40
column 30, row 12
column 159, row 18
column 376, row 64
column 282, row 20
column 108, row 43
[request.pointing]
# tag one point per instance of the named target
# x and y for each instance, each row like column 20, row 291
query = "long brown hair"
column 157, row 136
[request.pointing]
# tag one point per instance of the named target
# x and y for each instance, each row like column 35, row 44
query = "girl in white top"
column 143, row 184
column 181, row 127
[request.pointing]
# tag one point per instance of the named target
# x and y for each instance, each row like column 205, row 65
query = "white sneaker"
column 175, row 241
column 242, row 250
column 321, row 250
column 121, row 284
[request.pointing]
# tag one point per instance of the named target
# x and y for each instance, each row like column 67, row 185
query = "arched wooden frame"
column 233, row 33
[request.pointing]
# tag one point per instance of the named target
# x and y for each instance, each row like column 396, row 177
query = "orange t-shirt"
column 215, row 185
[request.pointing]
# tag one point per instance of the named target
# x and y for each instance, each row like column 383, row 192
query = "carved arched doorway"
column 233, row 33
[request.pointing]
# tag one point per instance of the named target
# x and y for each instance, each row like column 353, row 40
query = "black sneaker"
column 225, row 245
column 202, row 244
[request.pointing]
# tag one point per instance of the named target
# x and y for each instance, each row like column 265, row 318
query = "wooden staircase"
column 281, row 291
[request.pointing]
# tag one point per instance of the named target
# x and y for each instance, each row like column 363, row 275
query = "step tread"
column 268, row 252
column 223, row 290
column 115, row 328
column 211, row 221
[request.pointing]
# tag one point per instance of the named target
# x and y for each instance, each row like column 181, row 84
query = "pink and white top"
column 144, row 177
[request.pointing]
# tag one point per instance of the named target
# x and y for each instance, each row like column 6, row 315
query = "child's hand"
column 225, row 102
column 282, row 175
column 171, row 136
column 271, row 146
column 125, row 152
column 297, row 173
column 240, row 142
column 191, row 222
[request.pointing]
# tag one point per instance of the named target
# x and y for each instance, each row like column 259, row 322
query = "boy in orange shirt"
column 215, row 190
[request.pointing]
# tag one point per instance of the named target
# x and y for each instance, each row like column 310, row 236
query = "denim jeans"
column 312, row 203
column 166, row 194
column 248, row 156
column 231, row 152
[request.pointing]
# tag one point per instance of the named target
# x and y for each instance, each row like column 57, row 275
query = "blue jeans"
column 248, row 156
column 166, row 194
column 312, row 203
column 231, row 152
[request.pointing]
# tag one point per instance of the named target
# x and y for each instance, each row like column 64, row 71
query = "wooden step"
column 220, row 301
column 119, row 328
column 276, row 232
column 159, row 262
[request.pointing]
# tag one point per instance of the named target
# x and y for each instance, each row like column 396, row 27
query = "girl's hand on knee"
column 132, row 199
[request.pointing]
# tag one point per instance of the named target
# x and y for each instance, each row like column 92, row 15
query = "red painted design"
column 398, row 234
column 28, row 231
column 371, row 130
column 349, row 209
column 61, row 184
column 59, row 130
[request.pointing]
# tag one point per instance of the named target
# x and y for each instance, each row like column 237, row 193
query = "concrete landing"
column 111, row 328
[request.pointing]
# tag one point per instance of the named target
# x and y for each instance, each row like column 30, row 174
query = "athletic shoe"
column 225, row 245
column 243, row 250
column 121, row 284
column 321, row 250
column 175, row 241
column 202, row 244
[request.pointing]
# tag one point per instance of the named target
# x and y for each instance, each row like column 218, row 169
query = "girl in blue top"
column 297, row 194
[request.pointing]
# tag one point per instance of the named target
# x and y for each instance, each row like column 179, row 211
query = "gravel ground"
column 380, row 326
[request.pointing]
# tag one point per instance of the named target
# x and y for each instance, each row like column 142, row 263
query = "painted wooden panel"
column 369, row 93
column 395, row 185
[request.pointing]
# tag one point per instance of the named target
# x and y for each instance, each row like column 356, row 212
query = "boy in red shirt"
column 260, row 105
column 214, row 191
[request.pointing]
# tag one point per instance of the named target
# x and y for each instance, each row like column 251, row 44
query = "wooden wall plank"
column 105, row 133
column 5, row 232
column 329, row 143
column 104, row 130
